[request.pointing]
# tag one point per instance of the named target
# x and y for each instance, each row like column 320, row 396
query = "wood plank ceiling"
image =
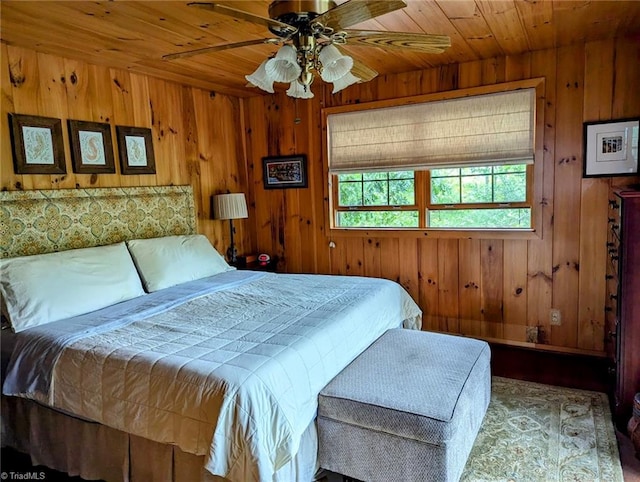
column 134, row 35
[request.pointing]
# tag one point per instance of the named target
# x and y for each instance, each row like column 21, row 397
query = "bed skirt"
column 97, row 452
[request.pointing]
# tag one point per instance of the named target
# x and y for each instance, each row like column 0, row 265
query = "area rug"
column 542, row 433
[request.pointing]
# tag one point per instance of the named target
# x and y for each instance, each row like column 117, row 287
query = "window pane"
column 445, row 190
column 401, row 193
column 401, row 175
column 376, row 189
column 470, row 171
column 476, row 189
column 378, row 219
column 510, row 187
column 480, row 218
column 510, row 168
column 445, row 172
column 349, row 177
column 376, row 193
column 350, row 194
column 374, row 176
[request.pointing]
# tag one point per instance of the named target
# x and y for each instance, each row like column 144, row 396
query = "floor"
column 630, row 464
column 582, row 372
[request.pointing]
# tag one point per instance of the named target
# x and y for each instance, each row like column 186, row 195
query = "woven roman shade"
column 490, row 129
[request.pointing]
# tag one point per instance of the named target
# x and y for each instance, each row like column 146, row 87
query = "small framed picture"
column 135, row 147
column 284, row 172
column 611, row 148
column 91, row 147
column 37, row 144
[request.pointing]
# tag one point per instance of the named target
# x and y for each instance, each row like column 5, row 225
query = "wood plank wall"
column 197, row 135
column 497, row 289
column 470, row 286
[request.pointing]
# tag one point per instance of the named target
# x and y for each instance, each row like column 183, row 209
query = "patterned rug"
column 541, row 433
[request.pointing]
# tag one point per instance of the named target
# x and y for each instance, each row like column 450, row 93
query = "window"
column 377, row 199
column 377, row 189
column 469, row 198
column 479, row 197
column 466, row 162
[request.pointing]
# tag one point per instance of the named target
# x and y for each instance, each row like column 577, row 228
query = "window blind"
column 490, row 129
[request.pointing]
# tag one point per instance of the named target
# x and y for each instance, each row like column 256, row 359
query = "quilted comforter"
column 230, row 369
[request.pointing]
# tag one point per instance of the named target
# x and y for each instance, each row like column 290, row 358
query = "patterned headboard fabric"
column 44, row 221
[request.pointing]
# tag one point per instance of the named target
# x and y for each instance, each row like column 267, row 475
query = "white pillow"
column 50, row 287
column 171, row 260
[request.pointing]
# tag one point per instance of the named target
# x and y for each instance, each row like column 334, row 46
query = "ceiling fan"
column 309, row 31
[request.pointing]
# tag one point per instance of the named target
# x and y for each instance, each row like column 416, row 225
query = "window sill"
column 434, row 233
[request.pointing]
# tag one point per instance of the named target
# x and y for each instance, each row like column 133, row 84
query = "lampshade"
column 345, row 81
column 299, row 91
column 334, row 63
column 284, row 66
column 261, row 79
column 230, row 206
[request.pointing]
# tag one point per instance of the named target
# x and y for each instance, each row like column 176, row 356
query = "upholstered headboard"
column 44, row 221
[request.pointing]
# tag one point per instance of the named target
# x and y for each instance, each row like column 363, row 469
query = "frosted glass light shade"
column 297, row 90
column 334, row 64
column 284, row 66
column 261, row 79
column 230, row 206
column 344, row 82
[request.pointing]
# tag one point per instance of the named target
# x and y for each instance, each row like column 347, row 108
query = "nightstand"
column 254, row 265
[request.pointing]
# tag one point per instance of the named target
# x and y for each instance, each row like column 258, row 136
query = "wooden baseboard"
column 585, row 372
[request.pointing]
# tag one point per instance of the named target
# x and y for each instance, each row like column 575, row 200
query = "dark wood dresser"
column 623, row 299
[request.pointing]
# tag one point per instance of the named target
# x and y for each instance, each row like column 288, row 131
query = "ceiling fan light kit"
column 334, row 63
column 295, row 64
column 344, row 82
column 309, row 31
column 284, row 66
column 299, row 91
column 261, row 79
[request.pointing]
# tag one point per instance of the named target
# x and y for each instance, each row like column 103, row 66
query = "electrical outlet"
column 554, row 317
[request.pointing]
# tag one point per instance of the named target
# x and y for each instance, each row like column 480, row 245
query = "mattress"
column 228, row 367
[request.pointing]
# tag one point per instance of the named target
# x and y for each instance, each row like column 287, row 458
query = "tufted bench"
column 407, row 409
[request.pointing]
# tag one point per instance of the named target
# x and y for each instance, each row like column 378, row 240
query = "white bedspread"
column 233, row 374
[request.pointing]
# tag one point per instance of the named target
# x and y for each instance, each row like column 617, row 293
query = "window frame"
column 527, row 203
column 422, row 178
column 365, row 207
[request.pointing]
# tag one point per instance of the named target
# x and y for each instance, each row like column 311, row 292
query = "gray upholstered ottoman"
column 407, row 409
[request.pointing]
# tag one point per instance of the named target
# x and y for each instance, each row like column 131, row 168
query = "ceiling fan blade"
column 285, row 28
column 363, row 71
column 217, row 48
column 416, row 42
column 356, row 11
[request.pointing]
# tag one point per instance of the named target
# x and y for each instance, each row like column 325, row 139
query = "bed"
column 208, row 371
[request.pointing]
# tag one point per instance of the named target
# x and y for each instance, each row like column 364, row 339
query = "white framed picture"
column 135, row 146
column 37, row 144
column 91, row 147
column 611, row 148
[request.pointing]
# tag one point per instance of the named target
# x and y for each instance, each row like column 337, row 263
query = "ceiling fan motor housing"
column 298, row 13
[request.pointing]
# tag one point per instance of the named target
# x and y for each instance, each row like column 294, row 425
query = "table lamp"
column 230, row 206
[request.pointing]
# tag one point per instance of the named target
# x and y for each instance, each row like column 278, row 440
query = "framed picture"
column 91, row 147
column 284, row 172
column 135, row 147
column 611, row 148
column 37, row 144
